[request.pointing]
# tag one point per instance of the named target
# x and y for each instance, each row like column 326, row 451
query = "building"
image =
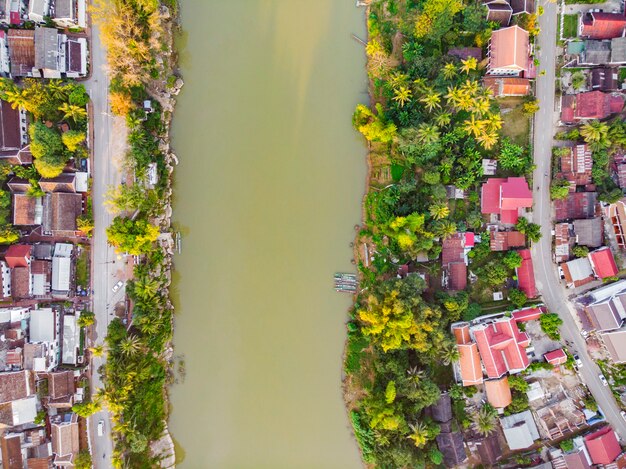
column 499, row 11
column 66, row 13
column 564, row 241
column 506, row 198
column 604, row 79
column 27, row 210
column 603, row 263
column 603, row 446
column 16, row 385
column 60, row 212
column 595, row 52
column 559, row 418
column 65, row 182
column 520, row 430
column 577, row 272
column 64, row 433
column 451, row 445
column 71, row 340
column 13, row 135
column 590, row 105
column 21, row 44
column 62, row 269
column 600, row 25
column 38, row 10
column 615, row 343
column 526, row 275
column 44, row 332
column 555, row 357
column 470, row 369
column 505, row 240
column 498, row 392
column 61, row 389
column 18, row 255
column 509, row 52
column 41, row 272
column 501, row 346
column 576, row 165
column 578, row 205
column 507, row 86
column 464, row 53
column 616, row 215
column 608, row 314
column 589, row 232
column 454, row 261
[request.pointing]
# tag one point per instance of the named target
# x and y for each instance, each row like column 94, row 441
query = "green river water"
column 267, row 194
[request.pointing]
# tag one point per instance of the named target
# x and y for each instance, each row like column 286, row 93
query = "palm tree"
column 454, row 96
column 444, row 228
column 471, row 86
column 57, row 90
column 443, row 119
column 70, row 111
column 145, row 287
column 494, row 121
column 449, row 71
column 485, row 420
column 449, row 352
column 431, row 101
column 487, row 140
column 419, row 435
column 402, row 95
column 97, row 350
column 427, row 133
column 130, row 345
column 469, row 64
column 473, row 127
column 481, row 105
column 439, row 210
column 594, row 131
column 17, row 98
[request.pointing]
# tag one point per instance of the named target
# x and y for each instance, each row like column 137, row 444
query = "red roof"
column 527, row 314
column 596, row 105
column 603, row 262
column 17, row 255
column 603, row 446
column 526, row 275
column 501, row 346
column 469, row 360
column 556, row 357
column 458, row 276
column 516, row 194
column 490, row 195
column 599, row 25
column 15, row 17
column 505, row 197
column 469, row 239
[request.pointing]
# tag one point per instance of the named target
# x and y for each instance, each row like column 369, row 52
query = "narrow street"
column 546, row 274
column 106, row 173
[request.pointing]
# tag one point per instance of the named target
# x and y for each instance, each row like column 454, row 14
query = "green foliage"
column 86, row 409
column 519, row 403
column 591, row 404
column 132, row 236
column 496, row 273
column 472, row 312
column 354, row 350
column 531, row 230
column 390, row 392
column 518, row 383
column 517, row 297
column 513, row 157
column 512, row 259
column 374, row 127
column 567, row 445
column 550, row 323
column 72, row 139
column 83, row 460
column 46, row 145
column 9, row 235
column 559, row 189
column 578, row 80
column 580, row 251
column 86, row 319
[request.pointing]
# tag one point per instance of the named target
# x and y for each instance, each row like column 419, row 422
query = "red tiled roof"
column 516, row 194
column 526, row 275
column 500, row 347
column 452, row 249
column 469, row 360
column 527, row 314
column 469, row 239
column 505, row 197
column 577, row 205
column 498, row 392
column 490, row 195
column 555, row 357
column 603, row 446
column 598, row 25
column 17, row 254
column 507, row 86
column 458, row 276
column 593, row 105
column 503, row 240
column 603, row 262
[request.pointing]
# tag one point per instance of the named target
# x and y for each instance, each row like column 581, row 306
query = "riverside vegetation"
column 430, row 124
column 138, row 38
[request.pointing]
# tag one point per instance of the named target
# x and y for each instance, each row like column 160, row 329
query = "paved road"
column 548, row 281
column 104, row 257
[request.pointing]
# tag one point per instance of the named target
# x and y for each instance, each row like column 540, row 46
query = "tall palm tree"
column 481, row 105
column 449, row 71
column 487, row 140
column 485, row 420
column 444, row 228
column 427, row 133
column 419, row 434
column 145, row 287
column 57, row 90
column 454, row 96
column 97, row 350
column 17, row 98
column 449, row 352
column 432, row 101
column 130, row 345
column 71, row 111
column 594, row 131
column 494, row 121
column 473, row 127
column 469, row 64
column 439, row 210
column 402, row 95
column 442, row 119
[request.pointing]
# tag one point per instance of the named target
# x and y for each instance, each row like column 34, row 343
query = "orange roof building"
column 507, row 86
column 498, row 392
column 509, row 52
column 469, row 360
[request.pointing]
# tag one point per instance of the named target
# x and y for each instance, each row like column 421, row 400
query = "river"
column 267, row 194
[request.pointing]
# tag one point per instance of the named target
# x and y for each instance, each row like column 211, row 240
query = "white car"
column 101, row 428
column 603, row 379
column 578, row 361
column 117, row 286
column 623, row 414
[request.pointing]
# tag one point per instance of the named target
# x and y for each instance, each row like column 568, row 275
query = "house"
column 595, row 52
column 26, row 448
column 71, row 340
column 464, row 53
column 64, row 434
column 604, row 79
column 61, row 269
column 555, row 357
column 38, row 10
column 575, row 166
column 13, row 135
column 607, row 314
column 577, row 272
column 470, row 369
column 44, row 330
column 19, row 411
column 528, row 314
column 489, row 166
column 615, row 342
column 603, row 446
column 519, row 430
column 499, row 11
column 506, row 198
column 526, row 275
column 564, row 241
column 579, row 459
column 488, row 449
column 616, row 216
column 61, row 389
column 589, row 232
column 578, row 205
column 27, row 210
column 18, row 255
column 454, row 261
column 451, row 446
column 590, row 105
column 523, row 6
column 507, row 86
column 60, row 212
column 21, row 44
column 505, row 240
column 498, row 392
column 508, row 52
column 15, row 359
column 501, row 346
column 618, row 50
column 5, row 280
column 441, row 411
column 600, row 25
column 65, row 182
column 21, row 283
column 41, row 272
column 16, row 385
column 47, row 57
column 76, row 55
column 559, row 418
column 603, row 263
column 65, row 13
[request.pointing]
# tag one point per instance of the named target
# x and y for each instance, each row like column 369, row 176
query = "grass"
column 570, row 26
column 515, row 124
column 82, row 268
column 583, row 2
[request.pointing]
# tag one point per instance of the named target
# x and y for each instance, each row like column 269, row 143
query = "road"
column 546, row 275
column 104, row 257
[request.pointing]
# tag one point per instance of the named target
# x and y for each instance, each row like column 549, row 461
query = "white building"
column 61, row 269
column 45, row 329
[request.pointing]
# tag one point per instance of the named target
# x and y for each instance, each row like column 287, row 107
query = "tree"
column 485, row 419
column 531, row 230
column 594, row 131
column 86, row 319
column 439, row 210
column 580, row 251
column 431, row 177
column 97, row 351
column 530, row 107
column 511, row 157
column 47, row 147
column 374, row 127
column 130, row 345
column 567, row 445
column 449, row 353
column 517, row 297
column 86, row 409
column 83, row 460
column 435, row 456
column 72, row 139
column 132, row 236
column 431, row 101
column 402, row 95
column 469, row 64
column 427, row 133
column 550, row 323
column 518, row 383
column 449, row 71
column 121, row 103
column 419, row 434
column 496, row 273
column 73, row 112
column 78, row 96
column 84, row 223
column 444, row 228
column 559, row 189
column 578, row 80
column 512, row 260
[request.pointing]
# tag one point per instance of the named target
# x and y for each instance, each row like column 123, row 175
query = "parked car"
column 101, row 427
column 117, row 286
column 623, row 414
column 578, row 361
column 603, row 379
